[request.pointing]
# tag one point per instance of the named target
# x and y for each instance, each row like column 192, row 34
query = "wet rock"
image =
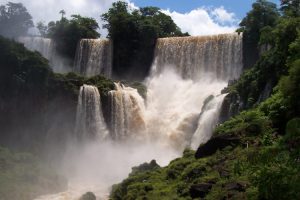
column 216, row 143
column 200, row 190
column 231, row 106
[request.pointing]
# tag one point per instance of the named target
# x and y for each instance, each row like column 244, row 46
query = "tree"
column 263, row 14
column 291, row 7
column 134, row 33
column 67, row 33
column 14, row 20
column 42, row 28
column 62, row 12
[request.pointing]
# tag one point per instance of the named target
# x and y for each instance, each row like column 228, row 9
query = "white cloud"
column 223, row 16
column 48, row 10
column 204, row 21
column 201, row 21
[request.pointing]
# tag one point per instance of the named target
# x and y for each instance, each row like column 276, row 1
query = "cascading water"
column 89, row 120
column 93, row 57
column 127, row 113
column 187, row 71
column 42, row 45
column 181, row 109
column 218, row 56
column 46, row 47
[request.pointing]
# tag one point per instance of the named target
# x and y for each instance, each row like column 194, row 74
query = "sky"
column 197, row 17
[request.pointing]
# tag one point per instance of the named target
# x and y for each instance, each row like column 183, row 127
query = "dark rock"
column 236, row 186
column 145, row 167
column 88, row 196
column 224, row 173
column 231, row 106
column 216, row 143
column 200, row 190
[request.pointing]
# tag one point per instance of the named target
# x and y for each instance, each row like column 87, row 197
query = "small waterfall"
column 209, row 117
column 89, row 120
column 42, row 45
column 193, row 57
column 127, row 113
column 94, row 57
column 46, row 47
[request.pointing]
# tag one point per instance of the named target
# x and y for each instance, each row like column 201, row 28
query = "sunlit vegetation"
column 265, row 162
column 134, row 33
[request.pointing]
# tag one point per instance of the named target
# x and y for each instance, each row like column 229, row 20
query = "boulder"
column 216, row 143
column 200, row 190
column 88, row 196
column 236, row 186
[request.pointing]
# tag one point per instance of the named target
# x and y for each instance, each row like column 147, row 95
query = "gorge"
column 150, row 112
column 180, row 110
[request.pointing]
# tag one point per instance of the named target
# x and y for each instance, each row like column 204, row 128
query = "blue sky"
column 239, row 7
column 197, row 17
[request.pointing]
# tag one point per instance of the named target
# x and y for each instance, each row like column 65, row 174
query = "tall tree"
column 263, row 14
column 134, row 33
column 63, row 13
column 14, row 20
column 68, row 32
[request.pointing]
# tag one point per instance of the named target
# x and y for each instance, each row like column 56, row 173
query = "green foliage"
column 42, row 28
column 290, row 87
column 28, row 91
column 263, row 14
column 23, row 176
column 291, row 7
column 134, row 33
column 14, row 20
column 246, row 124
column 67, row 33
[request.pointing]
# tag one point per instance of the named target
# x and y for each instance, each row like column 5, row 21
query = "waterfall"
column 89, row 120
column 42, row 45
column 93, row 57
column 46, row 47
column 185, row 73
column 209, row 117
column 193, row 57
column 180, row 110
column 127, row 113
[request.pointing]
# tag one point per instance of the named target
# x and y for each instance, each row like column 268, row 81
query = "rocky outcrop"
column 216, row 143
column 88, row 196
column 200, row 190
column 231, row 106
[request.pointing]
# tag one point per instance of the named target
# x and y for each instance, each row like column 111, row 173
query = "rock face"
column 235, row 186
column 200, row 190
column 231, row 106
column 88, row 196
column 216, row 143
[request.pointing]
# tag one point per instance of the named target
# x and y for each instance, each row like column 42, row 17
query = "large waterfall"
column 184, row 88
column 180, row 110
column 219, row 56
column 93, row 57
column 183, row 100
column 89, row 121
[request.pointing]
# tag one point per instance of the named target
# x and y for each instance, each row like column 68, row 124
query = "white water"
column 94, row 57
column 46, row 47
column 89, row 120
column 127, row 113
column 42, row 45
column 179, row 111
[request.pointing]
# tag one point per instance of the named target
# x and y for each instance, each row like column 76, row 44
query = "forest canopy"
column 15, row 20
